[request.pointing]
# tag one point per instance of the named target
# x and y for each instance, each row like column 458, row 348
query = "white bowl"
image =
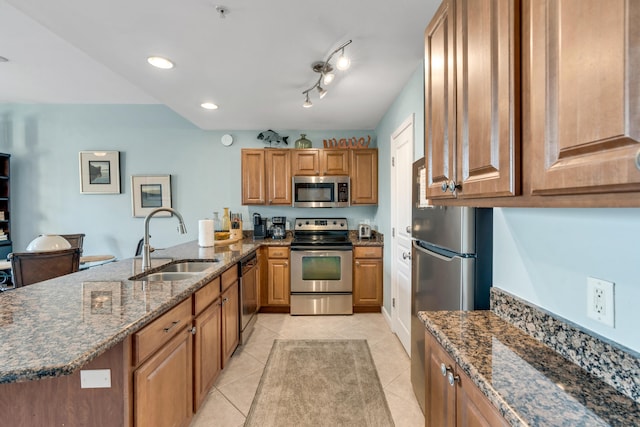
column 48, row 242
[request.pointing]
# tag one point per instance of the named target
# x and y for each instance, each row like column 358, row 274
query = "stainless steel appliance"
column 321, row 267
column 248, row 295
column 259, row 227
column 364, row 231
column 278, row 227
column 451, row 266
column 320, row 191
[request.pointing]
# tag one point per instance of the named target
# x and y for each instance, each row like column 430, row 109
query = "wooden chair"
column 32, row 267
column 75, row 240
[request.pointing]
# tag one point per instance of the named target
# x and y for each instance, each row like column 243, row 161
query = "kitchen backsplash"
column 614, row 364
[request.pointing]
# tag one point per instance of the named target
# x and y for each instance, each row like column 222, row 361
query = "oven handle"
column 322, row 248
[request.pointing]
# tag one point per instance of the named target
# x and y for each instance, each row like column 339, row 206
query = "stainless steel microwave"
column 321, row 191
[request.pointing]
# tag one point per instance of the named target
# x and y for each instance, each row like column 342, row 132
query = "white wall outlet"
column 600, row 301
column 95, row 378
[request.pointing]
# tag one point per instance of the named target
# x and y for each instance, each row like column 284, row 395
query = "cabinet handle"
column 444, row 187
column 406, row 255
column 638, row 160
column 453, row 186
column 357, row 263
column 444, row 369
column 453, row 379
column 193, row 330
column 224, row 300
column 173, row 325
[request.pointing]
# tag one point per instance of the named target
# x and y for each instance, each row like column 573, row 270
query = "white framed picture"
column 149, row 192
column 100, row 172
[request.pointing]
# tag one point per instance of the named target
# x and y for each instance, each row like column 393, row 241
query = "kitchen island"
column 53, row 329
column 531, row 369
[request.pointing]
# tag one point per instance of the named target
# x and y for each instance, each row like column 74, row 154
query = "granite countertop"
column 51, row 329
column 377, row 239
column 529, row 383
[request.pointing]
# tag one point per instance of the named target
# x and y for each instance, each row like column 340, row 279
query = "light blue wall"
column 546, row 255
column 409, row 101
column 44, row 141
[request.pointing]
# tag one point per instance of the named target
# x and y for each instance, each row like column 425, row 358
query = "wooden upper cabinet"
column 364, row 176
column 439, row 103
column 487, row 98
column 305, row 162
column 334, row 162
column 316, row 162
column 278, row 173
column 582, row 92
column 253, row 177
column 472, row 91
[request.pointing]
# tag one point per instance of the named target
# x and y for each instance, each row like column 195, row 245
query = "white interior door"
column 401, row 185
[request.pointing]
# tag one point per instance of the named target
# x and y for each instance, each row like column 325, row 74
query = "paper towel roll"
column 205, row 233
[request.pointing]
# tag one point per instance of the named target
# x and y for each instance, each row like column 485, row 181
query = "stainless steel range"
column 321, row 267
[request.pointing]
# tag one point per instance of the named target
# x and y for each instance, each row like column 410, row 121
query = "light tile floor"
column 230, row 399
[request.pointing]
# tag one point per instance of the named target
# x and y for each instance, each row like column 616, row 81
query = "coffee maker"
column 278, row 227
column 259, row 227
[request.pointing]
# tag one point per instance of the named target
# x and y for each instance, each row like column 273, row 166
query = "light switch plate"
column 95, row 378
column 601, row 301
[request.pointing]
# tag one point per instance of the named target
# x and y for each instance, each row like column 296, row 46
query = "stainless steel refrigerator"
column 451, row 266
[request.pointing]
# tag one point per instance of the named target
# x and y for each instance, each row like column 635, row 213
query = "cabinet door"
column 163, row 393
column 278, row 171
column 581, row 102
column 440, row 101
column 230, row 322
column 207, row 350
column 472, row 407
column 334, row 162
column 440, row 402
column 253, row 177
column 305, row 162
column 367, row 282
column 278, row 272
column 487, row 98
column 364, row 177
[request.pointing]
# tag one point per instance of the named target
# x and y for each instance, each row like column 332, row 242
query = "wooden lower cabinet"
column 452, row 399
column 367, row 278
column 230, row 322
column 163, row 392
column 276, row 280
column 207, row 341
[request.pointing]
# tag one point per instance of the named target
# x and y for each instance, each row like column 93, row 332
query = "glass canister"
column 303, row 142
column 226, row 221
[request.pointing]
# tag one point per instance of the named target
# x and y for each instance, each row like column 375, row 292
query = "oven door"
column 321, row 270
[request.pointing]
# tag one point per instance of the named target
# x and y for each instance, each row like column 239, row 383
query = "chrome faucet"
column 146, row 250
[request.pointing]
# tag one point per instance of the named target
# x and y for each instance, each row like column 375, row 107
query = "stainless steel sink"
column 179, row 271
column 167, row 276
column 189, row 266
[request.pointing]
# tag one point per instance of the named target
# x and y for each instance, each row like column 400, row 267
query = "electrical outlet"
column 600, row 301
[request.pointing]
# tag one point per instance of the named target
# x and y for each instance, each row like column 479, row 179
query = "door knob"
column 408, row 229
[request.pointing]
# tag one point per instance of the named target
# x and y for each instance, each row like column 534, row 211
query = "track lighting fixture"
column 307, row 102
column 325, row 69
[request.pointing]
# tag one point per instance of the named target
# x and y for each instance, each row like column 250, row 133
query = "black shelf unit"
column 5, row 206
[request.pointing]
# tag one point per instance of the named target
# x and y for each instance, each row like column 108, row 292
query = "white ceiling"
column 255, row 63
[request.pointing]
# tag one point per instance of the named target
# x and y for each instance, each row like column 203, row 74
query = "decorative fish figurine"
column 269, row 137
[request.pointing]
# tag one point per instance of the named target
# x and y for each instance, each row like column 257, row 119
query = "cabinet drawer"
column 278, row 252
column 367, row 251
column 229, row 277
column 158, row 332
column 206, row 295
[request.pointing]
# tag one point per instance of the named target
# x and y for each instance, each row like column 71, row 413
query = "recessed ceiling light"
column 160, row 62
column 209, row 106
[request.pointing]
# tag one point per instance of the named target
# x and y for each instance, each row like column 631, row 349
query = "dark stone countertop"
column 51, row 329
column 529, row 383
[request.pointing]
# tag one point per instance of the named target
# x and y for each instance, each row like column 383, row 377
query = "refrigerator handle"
column 428, row 252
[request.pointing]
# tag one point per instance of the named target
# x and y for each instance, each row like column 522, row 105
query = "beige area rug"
column 319, row 383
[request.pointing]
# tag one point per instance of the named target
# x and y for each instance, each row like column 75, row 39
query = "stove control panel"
column 321, row 224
